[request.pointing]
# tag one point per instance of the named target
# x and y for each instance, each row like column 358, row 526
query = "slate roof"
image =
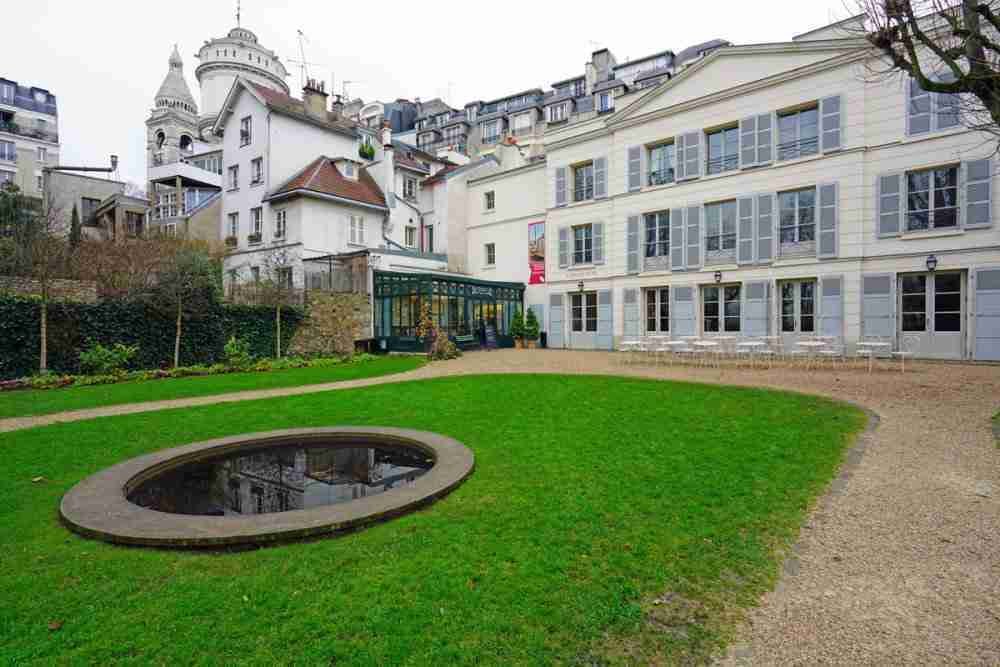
column 610, row 83
column 322, row 177
column 174, row 87
column 693, row 51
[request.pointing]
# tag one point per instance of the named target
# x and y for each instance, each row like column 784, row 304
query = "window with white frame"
column 657, row 234
column 234, row 225
column 409, row 188
column 284, row 276
column 39, row 182
column 583, row 182
column 723, row 150
column 8, row 151
column 798, row 133
column 931, row 112
column 349, row 170
column 489, row 200
column 605, row 101
column 490, row 252
column 280, row 223
column 658, row 310
column 170, row 230
column 6, row 177
column 491, row 131
column 256, row 171
column 43, row 155
column 932, row 198
column 256, row 224
column 797, row 216
column 246, row 131
column 410, row 236
column 583, row 312
column 7, row 93
column 357, row 230
column 579, row 88
column 558, row 112
column 522, row 123
column 798, row 306
column 583, row 244
column 720, row 308
column 234, row 177
column 661, row 164
column 720, row 227
column 255, row 274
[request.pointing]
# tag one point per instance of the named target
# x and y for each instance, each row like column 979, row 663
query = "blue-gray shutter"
column 978, row 193
column 831, row 306
column 537, row 308
column 947, row 111
column 890, row 204
column 831, row 124
column 748, row 141
column 756, row 308
column 630, row 313
column 918, row 109
column 878, row 305
column 765, row 139
column 556, row 311
column 692, row 155
column 677, row 247
column 598, row 241
column 391, row 199
column 605, row 321
column 826, row 237
column 986, row 285
column 600, row 177
column 632, row 244
column 634, row 168
column 682, row 312
column 679, row 174
column 764, row 232
column 560, row 186
column 563, row 247
column 744, row 231
column 693, row 237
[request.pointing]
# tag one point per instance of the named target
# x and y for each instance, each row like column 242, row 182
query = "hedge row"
column 73, row 325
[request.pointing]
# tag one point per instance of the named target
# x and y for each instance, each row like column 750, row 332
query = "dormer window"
column 349, row 170
column 605, row 102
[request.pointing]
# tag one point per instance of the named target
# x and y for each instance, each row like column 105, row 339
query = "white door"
column 931, row 307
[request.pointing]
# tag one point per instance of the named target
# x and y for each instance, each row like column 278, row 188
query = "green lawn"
column 592, row 496
column 46, row 401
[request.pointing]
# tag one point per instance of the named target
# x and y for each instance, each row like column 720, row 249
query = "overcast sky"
column 104, row 60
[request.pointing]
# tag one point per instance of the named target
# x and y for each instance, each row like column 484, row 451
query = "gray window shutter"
column 744, row 231
column 563, row 247
column 978, row 193
column 605, row 321
column 390, row 199
column 878, row 305
column 679, row 174
column 560, row 186
column 677, row 246
column 890, row 204
column 756, row 308
column 632, row 244
column 765, row 229
column 693, row 260
column 630, row 312
column 556, row 314
column 826, row 245
column 634, row 168
column 918, row 109
column 600, row 177
column 831, row 125
column 947, row 112
column 831, row 306
column 764, row 138
column 682, row 312
column 690, row 156
column 598, row 229
column 986, row 284
column 748, row 141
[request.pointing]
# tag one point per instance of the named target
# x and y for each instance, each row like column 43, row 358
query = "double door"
column 932, row 308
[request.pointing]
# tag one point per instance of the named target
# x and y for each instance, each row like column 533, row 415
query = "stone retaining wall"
column 82, row 291
column 333, row 322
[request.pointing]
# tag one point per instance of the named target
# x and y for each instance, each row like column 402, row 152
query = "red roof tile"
column 282, row 103
column 322, row 176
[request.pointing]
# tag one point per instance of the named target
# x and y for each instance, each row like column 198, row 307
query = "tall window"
column 557, row 112
column 661, row 164
column 932, row 199
column 357, row 230
column 658, row 234
column 234, row 177
column 234, row 225
column 410, row 234
column 929, row 112
column 256, row 170
column 6, row 177
column 491, row 131
column 720, row 227
column 7, row 151
column 720, row 308
column 579, row 88
column 583, row 309
column 6, row 93
column 605, row 102
column 489, row 200
column 522, row 123
column 43, row 154
column 280, row 223
column 797, row 215
column 583, row 244
column 491, row 254
column 583, row 182
column 87, row 207
column 798, row 133
column 798, row 303
column 284, row 276
column 658, row 310
column 409, row 188
column 246, row 131
column 723, row 150
column 429, row 234
column 256, row 224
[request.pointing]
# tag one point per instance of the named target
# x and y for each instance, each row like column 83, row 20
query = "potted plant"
column 231, row 241
column 531, row 330
column 517, row 329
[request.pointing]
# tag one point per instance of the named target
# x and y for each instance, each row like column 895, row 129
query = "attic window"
column 349, row 169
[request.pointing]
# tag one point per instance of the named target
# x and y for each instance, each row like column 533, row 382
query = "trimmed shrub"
column 100, row 360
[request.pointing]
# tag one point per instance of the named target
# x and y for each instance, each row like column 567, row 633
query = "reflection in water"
column 279, row 479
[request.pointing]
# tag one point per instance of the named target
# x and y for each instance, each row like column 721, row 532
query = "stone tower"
column 172, row 126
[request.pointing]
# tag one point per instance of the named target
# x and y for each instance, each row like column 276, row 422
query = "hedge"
column 73, row 325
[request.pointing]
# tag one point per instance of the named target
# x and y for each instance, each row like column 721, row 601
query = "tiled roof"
column 291, row 106
column 322, row 177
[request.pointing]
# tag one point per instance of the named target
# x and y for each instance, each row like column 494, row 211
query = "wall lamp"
column 932, row 263
column 579, row 286
column 718, row 277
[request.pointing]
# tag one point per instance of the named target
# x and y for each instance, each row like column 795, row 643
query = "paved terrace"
column 898, row 563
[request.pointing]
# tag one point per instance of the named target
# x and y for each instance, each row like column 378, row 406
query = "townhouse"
column 29, row 135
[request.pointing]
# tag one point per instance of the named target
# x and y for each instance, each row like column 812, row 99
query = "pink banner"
column 536, row 253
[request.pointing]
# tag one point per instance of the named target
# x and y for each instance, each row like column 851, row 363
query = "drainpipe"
column 420, row 217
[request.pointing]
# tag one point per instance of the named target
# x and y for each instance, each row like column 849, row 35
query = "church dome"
column 242, row 34
column 174, row 91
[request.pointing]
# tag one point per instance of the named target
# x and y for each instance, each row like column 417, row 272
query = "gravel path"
column 900, row 564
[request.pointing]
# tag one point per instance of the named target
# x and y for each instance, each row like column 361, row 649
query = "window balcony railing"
column 583, row 193
column 717, row 165
column 661, row 176
column 231, row 241
column 790, row 150
column 254, row 239
column 523, row 131
column 14, row 128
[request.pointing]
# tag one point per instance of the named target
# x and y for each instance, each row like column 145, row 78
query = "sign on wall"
column 536, row 253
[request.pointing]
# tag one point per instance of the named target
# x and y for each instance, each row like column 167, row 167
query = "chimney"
column 387, row 169
column 337, row 106
column 314, row 98
column 386, row 134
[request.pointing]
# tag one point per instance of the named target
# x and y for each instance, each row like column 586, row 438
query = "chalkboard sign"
column 491, row 337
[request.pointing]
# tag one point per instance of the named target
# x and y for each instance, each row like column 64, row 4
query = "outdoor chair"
column 908, row 345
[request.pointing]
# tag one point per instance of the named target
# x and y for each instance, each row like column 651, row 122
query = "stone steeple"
column 174, row 92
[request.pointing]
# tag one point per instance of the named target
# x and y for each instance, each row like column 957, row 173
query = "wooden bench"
column 466, row 342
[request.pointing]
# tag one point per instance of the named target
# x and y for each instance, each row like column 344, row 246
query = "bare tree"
column 275, row 288
column 947, row 46
column 186, row 284
column 124, row 269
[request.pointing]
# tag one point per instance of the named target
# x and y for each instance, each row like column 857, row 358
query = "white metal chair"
column 908, row 345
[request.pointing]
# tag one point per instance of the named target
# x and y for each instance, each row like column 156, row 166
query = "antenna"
column 303, row 63
column 237, row 13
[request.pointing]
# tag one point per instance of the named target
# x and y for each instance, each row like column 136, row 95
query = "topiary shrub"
column 237, row 353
